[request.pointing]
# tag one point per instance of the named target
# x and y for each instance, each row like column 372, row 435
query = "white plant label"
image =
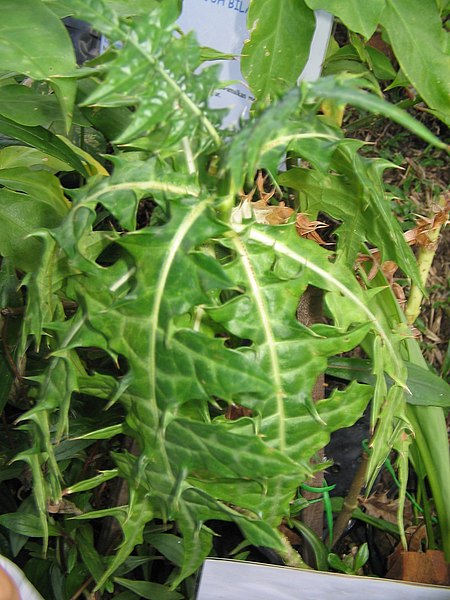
column 222, row 25
column 239, row 580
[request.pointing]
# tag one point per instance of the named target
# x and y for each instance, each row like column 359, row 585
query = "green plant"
column 397, row 27
column 139, row 335
column 351, row 564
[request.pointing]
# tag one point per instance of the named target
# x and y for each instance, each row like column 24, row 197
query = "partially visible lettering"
column 236, row 92
column 237, row 5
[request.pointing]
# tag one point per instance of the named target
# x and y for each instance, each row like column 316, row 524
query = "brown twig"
column 309, row 311
column 351, row 500
column 81, row 589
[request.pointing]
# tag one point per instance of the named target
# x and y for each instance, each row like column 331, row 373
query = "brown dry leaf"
column 416, row 535
column 416, row 334
column 308, row 229
column 247, row 197
column 389, row 268
column 419, row 235
column 265, row 196
column 377, row 42
column 399, row 293
column 432, row 336
column 262, row 211
column 373, row 257
column 235, row 411
column 277, row 215
column 63, row 506
column 378, row 505
column 293, row 538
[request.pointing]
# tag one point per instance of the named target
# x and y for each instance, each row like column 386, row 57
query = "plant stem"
column 425, row 259
column 291, row 557
column 351, row 500
column 309, row 311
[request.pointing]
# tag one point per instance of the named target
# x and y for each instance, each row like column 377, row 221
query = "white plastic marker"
column 222, row 25
column 239, row 580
